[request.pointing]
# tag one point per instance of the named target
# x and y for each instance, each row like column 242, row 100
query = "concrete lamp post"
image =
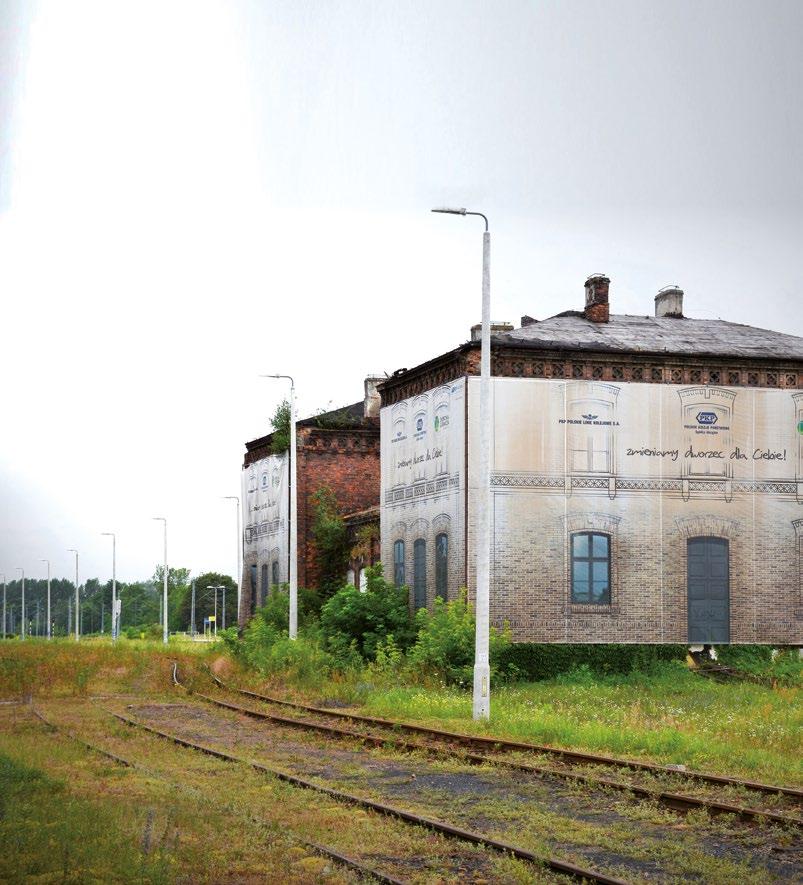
column 164, row 590
column 114, row 582
column 293, row 625
column 22, row 619
column 48, row 597
column 214, row 588
column 239, row 551
column 4, row 605
column 77, row 598
column 482, row 670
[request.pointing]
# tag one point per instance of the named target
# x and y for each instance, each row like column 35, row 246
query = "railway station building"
column 338, row 450
column 647, row 477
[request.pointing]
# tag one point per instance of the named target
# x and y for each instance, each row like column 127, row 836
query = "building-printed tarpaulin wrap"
column 266, row 497
column 638, row 512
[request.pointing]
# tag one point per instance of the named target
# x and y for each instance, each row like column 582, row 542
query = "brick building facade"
column 647, row 477
column 338, row 450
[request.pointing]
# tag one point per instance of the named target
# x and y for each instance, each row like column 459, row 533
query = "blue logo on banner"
column 708, row 418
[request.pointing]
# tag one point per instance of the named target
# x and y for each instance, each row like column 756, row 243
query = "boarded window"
column 441, row 564
column 254, row 587
column 420, row 573
column 398, row 563
column 265, row 588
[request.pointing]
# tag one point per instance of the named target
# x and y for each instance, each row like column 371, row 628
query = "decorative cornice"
column 641, row 368
column 615, row 485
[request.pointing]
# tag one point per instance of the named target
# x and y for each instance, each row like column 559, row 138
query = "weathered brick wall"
column 347, row 461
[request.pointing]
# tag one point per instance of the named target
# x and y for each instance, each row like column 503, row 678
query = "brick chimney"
column 372, row 399
column 597, row 298
column 497, row 328
column 669, row 302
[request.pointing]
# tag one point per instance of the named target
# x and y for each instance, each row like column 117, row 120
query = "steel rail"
column 499, row 744
column 447, row 829
column 70, row 734
column 337, row 856
column 678, row 801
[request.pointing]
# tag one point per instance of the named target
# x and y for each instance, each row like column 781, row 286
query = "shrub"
column 331, row 540
column 280, row 438
column 444, row 647
column 783, row 665
column 367, row 618
column 276, row 610
column 534, row 661
column 143, row 631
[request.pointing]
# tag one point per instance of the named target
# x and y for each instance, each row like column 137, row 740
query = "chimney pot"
column 669, row 302
column 597, row 309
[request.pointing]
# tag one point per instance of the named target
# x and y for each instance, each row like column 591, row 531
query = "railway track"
column 495, row 750
column 323, row 850
column 720, row 673
column 555, row 864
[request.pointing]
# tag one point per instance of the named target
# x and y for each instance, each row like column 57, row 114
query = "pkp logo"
column 707, row 418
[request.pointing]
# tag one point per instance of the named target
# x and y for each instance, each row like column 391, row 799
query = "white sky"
column 193, row 193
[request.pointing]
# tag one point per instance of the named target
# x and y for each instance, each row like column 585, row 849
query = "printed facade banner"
column 266, row 497
column 631, row 512
column 423, row 491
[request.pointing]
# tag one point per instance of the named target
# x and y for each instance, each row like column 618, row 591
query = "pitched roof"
column 647, row 334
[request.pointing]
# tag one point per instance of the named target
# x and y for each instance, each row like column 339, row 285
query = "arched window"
column 420, row 573
column 398, row 563
column 265, row 588
column 363, row 581
column 591, row 568
column 441, row 564
column 275, row 573
column 350, row 577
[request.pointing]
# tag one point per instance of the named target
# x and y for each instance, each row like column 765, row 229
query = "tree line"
column 140, row 610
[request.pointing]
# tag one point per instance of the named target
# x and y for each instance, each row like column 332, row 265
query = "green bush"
column 143, row 631
column 367, row 618
column 534, row 661
column 783, row 665
column 331, row 541
column 276, row 610
column 444, row 647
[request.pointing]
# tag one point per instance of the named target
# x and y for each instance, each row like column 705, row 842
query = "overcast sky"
column 193, row 193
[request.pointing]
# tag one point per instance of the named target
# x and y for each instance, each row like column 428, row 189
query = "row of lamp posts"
column 482, row 673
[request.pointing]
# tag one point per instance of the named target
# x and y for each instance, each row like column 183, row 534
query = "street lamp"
column 239, row 551
column 114, row 582
column 482, row 670
column 77, row 598
column 48, row 596
column 293, row 626
column 22, row 619
column 164, row 604
column 215, row 588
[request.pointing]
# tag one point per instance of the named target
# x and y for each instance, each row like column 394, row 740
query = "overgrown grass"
column 63, row 667
column 50, row 835
column 669, row 714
